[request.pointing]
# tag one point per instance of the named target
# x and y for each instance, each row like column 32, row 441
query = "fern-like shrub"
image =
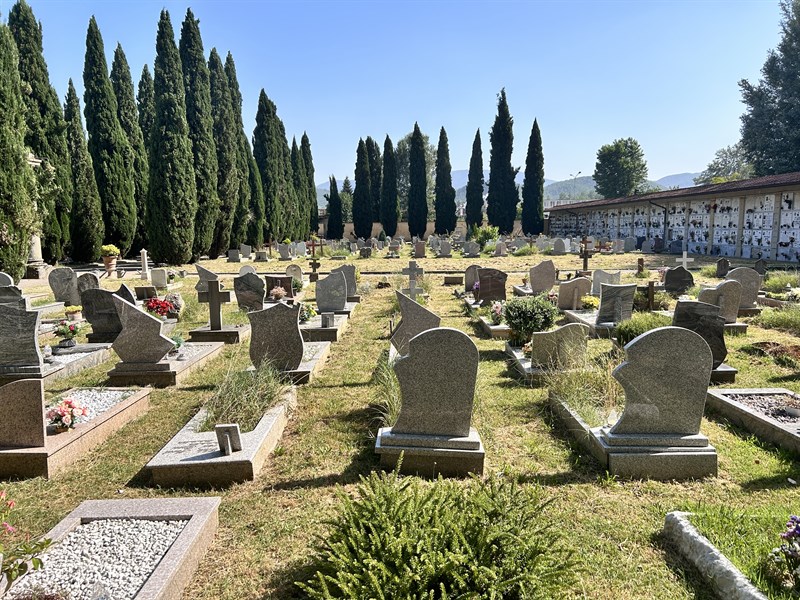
column 400, row 537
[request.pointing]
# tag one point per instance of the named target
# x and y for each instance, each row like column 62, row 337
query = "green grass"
column 776, row 281
column 638, row 324
column 386, row 406
column 784, row 319
column 709, row 271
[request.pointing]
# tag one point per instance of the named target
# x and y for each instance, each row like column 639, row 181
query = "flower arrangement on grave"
column 590, row 302
column 66, row 330
column 785, row 560
column 297, row 285
column 109, row 250
column 306, row 312
column 73, row 313
column 159, row 307
column 19, row 559
column 277, row 293
column 64, row 415
column 496, row 312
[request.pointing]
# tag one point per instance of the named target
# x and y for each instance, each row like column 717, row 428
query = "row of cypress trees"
column 170, row 169
column 375, row 197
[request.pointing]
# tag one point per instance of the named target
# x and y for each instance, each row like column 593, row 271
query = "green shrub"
column 776, row 281
column 529, row 314
column 406, row 538
column 590, row 302
column 638, row 324
column 709, row 271
column 643, row 274
column 489, row 248
column 338, row 252
column 785, row 319
column 526, row 251
column 481, row 235
column 297, row 285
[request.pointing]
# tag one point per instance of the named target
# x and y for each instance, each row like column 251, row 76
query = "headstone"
column 616, row 303
column 542, row 277
column 247, row 269
column 629, row 244
column 87, row 281
column 599, row 277
column 658, row 245
column 570, row 293
column 145, row 272
column 349, row 272
column 560, row 348
column 246, row 251
column 415, row 319
column 140, row 340
column 760, row 266
column 229, row 438
column 295, row 272
column 215, row 298
column 414, row 273
column 300, row 249
column 205, row 276
column 234, row 256
column 684, row 260
column 723, row 266
column 675, row 247
column 100, row 311
column 359, row 243
column 158, row 277
column 331, row 293
column 618, row 246
column 353, row 247
column 365, row 252
column 283, row 250
column 19, row 337
column 471, row 277
column 559, row 247
column 419, row 250
column 500, row 249
column 11, row 294
column 261, row 256
column 64, row 283
column 677, row 280
column 705, row 320
column 250, row 291
column 471, row 249
column 6, row 279
column 727, row 295
column 22, row 407
column 751, row 282
column 445, row 250
column 492, row 284
column 283, row 281
column 276, row 336
column 145, row 292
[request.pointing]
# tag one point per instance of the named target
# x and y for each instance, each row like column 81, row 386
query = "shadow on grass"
column 586, row 467
column 494, row 354
column 683, row 569
column 782, row 378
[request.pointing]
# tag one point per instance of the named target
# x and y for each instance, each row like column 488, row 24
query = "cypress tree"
column 18, row 219
column 255, row 223
column 362, row 196
column 390, row 210
column 313, row 209
column 112, row 158
column 172, row 201
column 418, row 184
column 268, row 152
column 375, row 176
column 445, row 193
column 474, row 209
column 300, row 180
column 122, row 84
column 503, row 196
column 87, row 216
column 346, row 196
column 533, row 187
column 226, row 143
column 46, row 131
column 145, row 102
column 201, row 131
column 335, row 217
column 246, row 202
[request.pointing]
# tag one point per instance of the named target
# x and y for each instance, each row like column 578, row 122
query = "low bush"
column 400, row 537
column 527, row 315
column 661, row 301
column 709, row 271
column 526, row 251
column 784, row 319
column 643, row 274
column 483, row 234
column 776, row 281
column 638, row 324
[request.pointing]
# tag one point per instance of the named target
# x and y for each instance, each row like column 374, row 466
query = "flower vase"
column 62, row 429
column 76, row 316
column 67, row 343
column 110, row 263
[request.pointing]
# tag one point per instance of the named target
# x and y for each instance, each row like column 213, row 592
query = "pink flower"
column 8, row 528
column 66, row 420
column 11, row 504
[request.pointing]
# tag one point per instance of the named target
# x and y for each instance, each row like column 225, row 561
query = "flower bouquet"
column 159, row 307
column 67, row 331
column 64, row 414
column 306, row 312
column 277, row 293
column 496, row 313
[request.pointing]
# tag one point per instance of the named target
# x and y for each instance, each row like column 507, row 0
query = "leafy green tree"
column 112, row 157
column 403, row 162
column 501, row 203
column 474, row 208
column 197, row 89
column 300, row 180
column 362, row 199
column 729, row 164
column 87, row 216
column 122, row 85
column 335, row 217
column 375, row 176
column 226, row 141
column 246, row 207
column 620, row 169
column 533, row 187
column 346, row 196
column 313, row 209
column 418, row 183
column 18, row 219
column 146, row 103
column 445, row 193
column 255, row 225
column 172, row 201
column 771, row 123
column 390, row 211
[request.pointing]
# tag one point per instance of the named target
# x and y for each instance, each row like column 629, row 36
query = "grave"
column 726, row 295
column 433, row 430
column 276, row 337
column 261, row 256
column 500, row 249
column 146, row 356
column 751, row 282
column 561, row 349
column 234, row 255
column 684, row 260
column 471, row 250
column 250, row 291
column 723, row 265
column 100, row 312
column 541, row 280
column 325, row 327
column 244, row 269
column 283, row 250
column 471, row 278
column 704, row 319
column 559, row 247
column 570, row 293
column 215, row 331
column 415, row 319
column 599, row 277
column 158, row 277
column 285, row 282
column 145, row 292
column 350, row 276
column 453, row 280
column 414, row 274
column 67, row 286
column 331, row 293
column 314, row 262
column 6, row 280
column 295, row 272
column 419, row 250
column 246, row 251
column 647, row 247
column 30, row 447
column 760, row 266
column 616, row 304
column 629, row 244
column 677, row 280
column 445, row 250
column 658, row 435
column 491, row 286
column 204, row 277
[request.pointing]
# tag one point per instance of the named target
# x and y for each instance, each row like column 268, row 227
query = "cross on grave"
column 684, row 261
column 586, row 254
column 314, row 263
column 413, row 272
column 215, row 298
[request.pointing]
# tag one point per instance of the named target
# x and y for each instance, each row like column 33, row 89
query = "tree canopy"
column 729, row 164
column 362, row 196
column 501, row 203
column 621, row 169
column 390, row 211
column 418, row 185
column 335, row 217
column 474, row 208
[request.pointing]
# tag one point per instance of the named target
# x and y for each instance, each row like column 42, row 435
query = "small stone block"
column 453, row 280
column 229, row 438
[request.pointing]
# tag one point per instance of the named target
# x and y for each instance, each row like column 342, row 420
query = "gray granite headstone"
column 445, row 249
column 599, row 277
column 247, row 269
column 250, row 291
column 559, row 247
column 87, row 281
column 140, row 340
column 570, row 293
column 283, row 250
column 234, row 255
column 349, row 272
column 419, row 250
column 276, row 336
column 11, row 294
column 647, row 247
column 332, row 293
column 560, row 348
column 500, row 249
column 629, row 244
column 492, row 285
column 246, row 251
column 760, row 266
column 64, row 283
column 437, row 387
column 705, row 320
column 723, row 266
column 471, row 249
column 751, row 282
column 727, row 295
column 616, row 303
column 677, row 280
column 101, row 312
column 22, row 407
column 19, row 336
column 205, row 276
column 295, row 272
column 5, row 279
column 665, row 377
column 542, row 277
column 158, row 277
column 415, row 319
column 126, row 294
column 470, row 277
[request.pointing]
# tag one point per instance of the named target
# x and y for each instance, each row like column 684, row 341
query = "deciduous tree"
column 620, row 169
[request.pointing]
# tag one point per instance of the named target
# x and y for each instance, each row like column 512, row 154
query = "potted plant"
column 73, row 313
column 110, row 253
column 67, row 332
column 63, row 416
column 277, row 293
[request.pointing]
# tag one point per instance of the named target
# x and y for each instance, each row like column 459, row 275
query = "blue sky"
column 663, row 72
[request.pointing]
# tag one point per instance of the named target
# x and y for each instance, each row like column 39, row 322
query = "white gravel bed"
column 115, row 556
column 97, row 400
column 187, row 351
column 64, row 359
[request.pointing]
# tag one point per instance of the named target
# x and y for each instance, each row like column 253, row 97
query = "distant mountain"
column 680, row 180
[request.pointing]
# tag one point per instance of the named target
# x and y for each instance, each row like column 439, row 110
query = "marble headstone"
column 247, row 269
column 599, row 277
column 542, row 277
column 295, row 272
column 158, row 277
column 415, row 319
column 751, row 282
column 500, row 249
column 705, row 320
column 250, row 291
column 283, row 250
column 87, row 281
column 559, row 247
column 140, row 340
column 727, row 295
column 570, row 293
column 492, row 285
column 332, row 293
column 616, row 303
column 276, row 336
column 677, row 280
column 559, row 348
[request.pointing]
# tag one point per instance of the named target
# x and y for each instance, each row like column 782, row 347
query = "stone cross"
column 412, row 271
column 215, row 298
column 585, row 253
column 684, row 261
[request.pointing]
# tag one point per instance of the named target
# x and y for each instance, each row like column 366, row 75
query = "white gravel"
column 97, row 400
column 64, row 359
column 115, row 556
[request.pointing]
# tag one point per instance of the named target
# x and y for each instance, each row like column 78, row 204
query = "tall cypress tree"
column 335, row 217
column 375, row 176
column 503, row 196
column 226, row 143
column 418, row 185
column 87, row 216
column 445, row 193
column 362, row 196
column 346, row 196
column 145, row 102
column 122, row 84
column 390, row 211
column 172, row 201
column 533, row 187
column 46, row 131
column 313, row 209
column 474, row 208
column 201, row 131
column 255, row 224
column 300, row 181
column 268, row 145
column 245, row 204
column 17, row 186
column 112, row 158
